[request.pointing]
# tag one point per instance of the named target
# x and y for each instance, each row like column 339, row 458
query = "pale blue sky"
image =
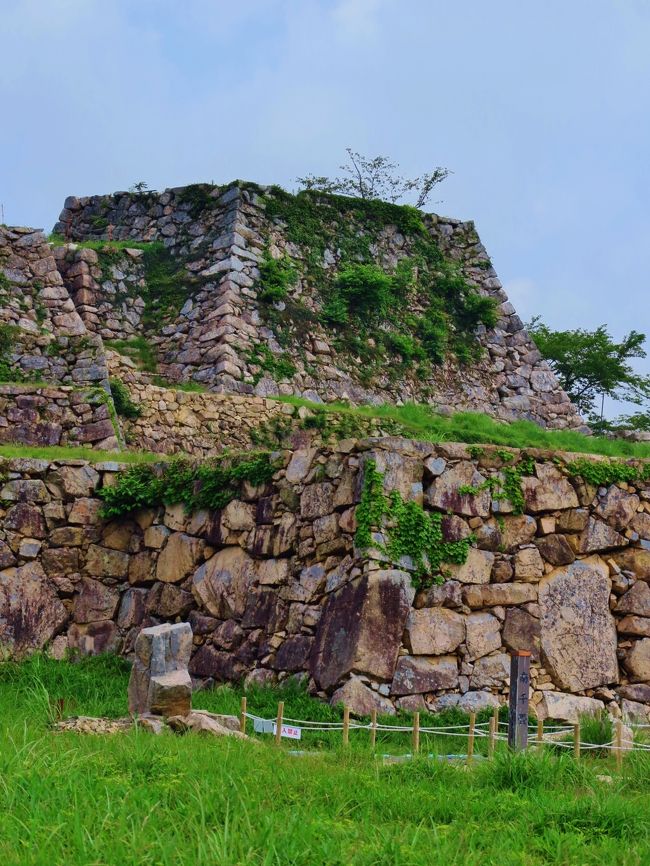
column 541, row 109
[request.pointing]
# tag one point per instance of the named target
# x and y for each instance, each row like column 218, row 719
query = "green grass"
column 100, row 245
column 190, row 387
column 422, row 422
column 138, row 349
column 139, row 799
column 62, row 452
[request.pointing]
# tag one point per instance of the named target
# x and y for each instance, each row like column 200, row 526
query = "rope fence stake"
column 242, row 716
column 576, row 741
column 491, row 738
column 540, row 732
column 346, row 726
column 278, row 723
column 416, row 733
column 373, row 728
column 470, row 741
column 619, row 745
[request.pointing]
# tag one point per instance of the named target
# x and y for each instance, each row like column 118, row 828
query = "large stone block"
column 483, row 635
column 221, row 585
column 361, row 700
column 476, row 568
column 179, row 557
column 361, row 628
column 444, row 493
column 434, row 631
column 547, row 490
column 160, row 682
column 95, row 601
column 31, row 614
column 578, row 632
column 420, row 674
column 567, row 708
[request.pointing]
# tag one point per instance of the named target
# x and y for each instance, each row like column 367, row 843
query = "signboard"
column 268, row 726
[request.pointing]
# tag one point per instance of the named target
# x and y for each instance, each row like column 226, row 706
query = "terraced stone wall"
column 220, row 331
column 275, row 587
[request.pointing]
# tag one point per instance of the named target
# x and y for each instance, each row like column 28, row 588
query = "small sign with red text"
column 289, row 731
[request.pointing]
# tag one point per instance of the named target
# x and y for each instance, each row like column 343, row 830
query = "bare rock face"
column 179, row 558
column 476, row 568
column 361, row 628
column 636, row 600
column 160, row 682
column 30, row 611
column 361, row 700
column 618, row 507
column 578, row 633
column 521, row 631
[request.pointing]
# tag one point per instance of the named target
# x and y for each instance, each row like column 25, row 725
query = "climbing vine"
column 505, row 487
column 408, row 530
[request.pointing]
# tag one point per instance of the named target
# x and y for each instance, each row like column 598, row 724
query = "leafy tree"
column 375, row 178
column 590, row 364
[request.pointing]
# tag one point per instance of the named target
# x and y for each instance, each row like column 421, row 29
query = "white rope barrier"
column 550, row 736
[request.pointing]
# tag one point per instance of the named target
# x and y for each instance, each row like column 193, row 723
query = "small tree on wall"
column 375, row 178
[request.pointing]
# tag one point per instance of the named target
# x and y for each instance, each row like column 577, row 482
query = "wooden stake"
column 278, row 723
column 540, row 732
column 242, row 715
column 373, row 728
column 619, row 745
column 491, row 738
column 346, row 726
column 470, row 741
column 416, row 733
column 576, row 741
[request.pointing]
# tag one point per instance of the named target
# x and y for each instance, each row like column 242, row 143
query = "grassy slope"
column 421, row 422
column 130, row 799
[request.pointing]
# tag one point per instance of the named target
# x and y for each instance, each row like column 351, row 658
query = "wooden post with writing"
column 518, row 705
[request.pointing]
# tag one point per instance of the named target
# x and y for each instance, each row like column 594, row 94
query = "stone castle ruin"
column 205, row 304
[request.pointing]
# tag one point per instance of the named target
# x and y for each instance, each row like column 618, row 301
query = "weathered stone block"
column 160, row 682
column 578, row 633
column 434, row 631
column 420, row 674
column 361, row 628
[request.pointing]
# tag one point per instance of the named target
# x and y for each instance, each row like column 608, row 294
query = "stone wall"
column 223, row 335
column 274, row 587
column 47, row 338
column 57, row 415
column 107, row 298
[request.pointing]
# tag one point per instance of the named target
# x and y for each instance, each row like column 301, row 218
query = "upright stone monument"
column 160, row 683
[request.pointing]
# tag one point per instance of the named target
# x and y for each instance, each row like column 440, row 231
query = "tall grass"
column 422, row 422
column 138, row 799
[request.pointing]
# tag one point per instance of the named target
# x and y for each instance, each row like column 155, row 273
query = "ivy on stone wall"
column 505, row 487
column 210, row 485
column 407, row 530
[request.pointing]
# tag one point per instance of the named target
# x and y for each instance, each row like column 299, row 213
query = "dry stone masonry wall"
column 274, row 585
column 220, row 325
column 43, row 336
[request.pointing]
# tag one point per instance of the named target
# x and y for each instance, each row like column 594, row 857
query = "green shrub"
column 124, row 405
column 276, row 278
column 277, row 366
column 7, row 343
column 210, row 485
column 366, row 290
